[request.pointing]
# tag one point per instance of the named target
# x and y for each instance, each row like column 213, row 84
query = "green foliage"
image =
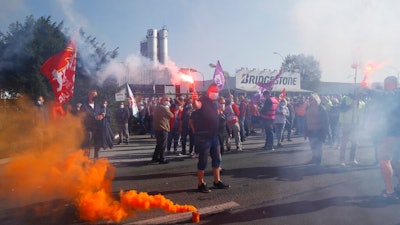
column 308, row 67
column 26, row 46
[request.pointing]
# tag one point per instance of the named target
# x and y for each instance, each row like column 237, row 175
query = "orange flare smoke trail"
column 47, row 164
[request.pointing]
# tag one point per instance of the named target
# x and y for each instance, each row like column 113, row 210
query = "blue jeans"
column 208, row 147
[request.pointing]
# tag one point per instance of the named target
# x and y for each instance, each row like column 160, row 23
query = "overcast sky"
column 239, row 33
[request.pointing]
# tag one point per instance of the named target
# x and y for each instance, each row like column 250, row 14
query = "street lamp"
column 277, row 53
column 212, row 65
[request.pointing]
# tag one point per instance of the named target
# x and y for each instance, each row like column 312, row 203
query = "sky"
column 238, row 33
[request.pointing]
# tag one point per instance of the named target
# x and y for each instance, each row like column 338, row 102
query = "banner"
column 132, row 102
column 219, row 77
column 60, row 71
column 247, row 80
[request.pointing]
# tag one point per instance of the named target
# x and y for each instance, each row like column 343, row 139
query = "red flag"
column 219, row 77
column 282, row 95
column 60, row 71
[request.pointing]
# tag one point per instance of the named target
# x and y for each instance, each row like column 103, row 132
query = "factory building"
column 155, row 47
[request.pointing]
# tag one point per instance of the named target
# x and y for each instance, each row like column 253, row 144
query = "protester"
column 107, row 135
column 122, row 115
column 349, row 116
column 316, row 127
column 42, row 112
column 281, row 113
column 289, row 120
column 142, row 114
column 244, row 131
column 387, row 127
column 175, row 126
column 267, row 114
column 223, row 133
column 300, row 111
column 161, row 118
column 206, row 126
column 186, row 130
column 333, row 115
column 150, row 109
column 93, row 114
column 232, row 112
column 254, row 116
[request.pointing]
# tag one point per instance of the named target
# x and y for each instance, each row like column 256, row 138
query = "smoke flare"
column 47, row 163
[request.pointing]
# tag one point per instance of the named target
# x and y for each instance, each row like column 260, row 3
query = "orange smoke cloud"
column 47, row 163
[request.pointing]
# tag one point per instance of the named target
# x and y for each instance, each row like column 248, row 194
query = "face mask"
column 94, row 98
column 121, row 106
column 189, row 105
column 213, row 96
column 105, row 105
column 39, row 102
column 282, row 104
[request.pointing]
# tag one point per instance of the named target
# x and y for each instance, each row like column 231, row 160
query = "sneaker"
column 342, row 164
column 354, row 163
column 390, row 196
column 203, row 188
column 239, row 148
column 221, row 185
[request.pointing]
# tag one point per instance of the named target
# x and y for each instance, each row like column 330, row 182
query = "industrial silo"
column 163, row 45
column 152, row 44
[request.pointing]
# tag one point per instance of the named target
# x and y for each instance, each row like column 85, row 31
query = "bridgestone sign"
column 247, row 80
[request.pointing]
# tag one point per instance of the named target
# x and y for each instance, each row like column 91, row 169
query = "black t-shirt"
column 206, row 120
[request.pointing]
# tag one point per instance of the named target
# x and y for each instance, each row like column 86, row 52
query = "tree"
column 308, row 67
column 25, row 47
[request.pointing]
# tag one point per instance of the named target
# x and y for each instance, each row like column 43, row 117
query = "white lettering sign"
column 247, row 80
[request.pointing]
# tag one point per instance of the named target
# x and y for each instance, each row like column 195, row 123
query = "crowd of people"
column 211, row 125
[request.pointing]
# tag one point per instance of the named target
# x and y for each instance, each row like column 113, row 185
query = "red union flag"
column 60, row 71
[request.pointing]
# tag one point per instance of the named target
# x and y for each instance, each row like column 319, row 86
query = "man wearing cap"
column 206, row 126
column 161, row 118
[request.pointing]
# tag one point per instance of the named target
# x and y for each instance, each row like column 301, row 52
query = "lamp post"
column 277, row 53
column 353, row 117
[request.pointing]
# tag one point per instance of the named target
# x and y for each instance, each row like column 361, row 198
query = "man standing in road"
column 161, row 118
column 267, row 114
column 386, row 126
column 122, row 115
column 206, row 125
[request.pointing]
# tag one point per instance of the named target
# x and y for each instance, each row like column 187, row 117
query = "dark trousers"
column 185, row 133
column 269, row 133
column 161, row 145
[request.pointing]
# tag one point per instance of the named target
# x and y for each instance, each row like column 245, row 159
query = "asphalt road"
column 269, row 187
